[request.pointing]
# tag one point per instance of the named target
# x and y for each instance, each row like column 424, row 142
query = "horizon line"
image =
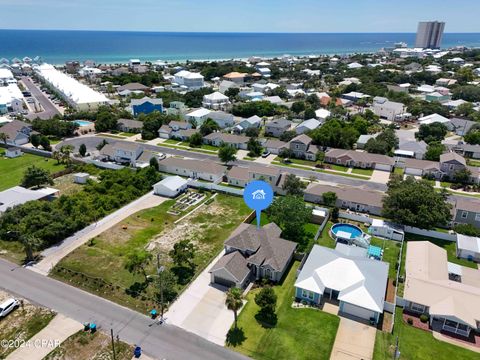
column 227, row 32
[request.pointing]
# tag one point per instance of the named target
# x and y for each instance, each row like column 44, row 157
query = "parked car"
column 161, row 156
column 265, row 154
column 8, row 306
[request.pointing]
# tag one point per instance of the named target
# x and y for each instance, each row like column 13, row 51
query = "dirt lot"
column 85, row 345
column 22, row 323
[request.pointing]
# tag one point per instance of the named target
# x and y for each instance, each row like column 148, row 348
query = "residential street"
column 92, row 141
column 54, row 254
column 49, row 109
column 158, row 341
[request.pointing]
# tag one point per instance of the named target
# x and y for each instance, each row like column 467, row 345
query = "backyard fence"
column 215, row 187
column 355, row 217
column 431, row 233
column 104, row 165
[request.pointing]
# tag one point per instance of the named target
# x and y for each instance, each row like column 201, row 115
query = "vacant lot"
column 85, row 345
column 299, row 333
column 12, row 170
column 22, row 323
column 99, row 265
column 416, row 344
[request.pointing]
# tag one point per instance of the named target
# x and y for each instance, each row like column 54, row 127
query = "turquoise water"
column 82, row 122
column 353, row 230
column 58, row 46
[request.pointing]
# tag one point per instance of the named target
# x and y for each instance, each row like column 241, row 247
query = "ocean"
column 58, row 46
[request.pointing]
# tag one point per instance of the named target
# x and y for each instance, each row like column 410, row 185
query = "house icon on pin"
column 258, row 195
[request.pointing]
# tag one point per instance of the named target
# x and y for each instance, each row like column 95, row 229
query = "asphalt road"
column 158, row 341
column 92, row 141
column 49, row 109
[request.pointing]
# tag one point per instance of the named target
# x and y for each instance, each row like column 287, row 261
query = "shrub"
column 410, row 321
column 424, row 318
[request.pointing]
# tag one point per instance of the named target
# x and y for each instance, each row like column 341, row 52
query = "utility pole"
column 113, row 345
column 160, row 269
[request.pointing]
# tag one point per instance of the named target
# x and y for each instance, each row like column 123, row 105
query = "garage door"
column 223, row 282
column 414, row 172
column 357, row 311
column 383, row 167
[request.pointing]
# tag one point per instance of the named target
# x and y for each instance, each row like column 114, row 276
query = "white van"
column 7, row 306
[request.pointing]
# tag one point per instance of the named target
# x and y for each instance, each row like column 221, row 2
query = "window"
column 310, row 295
column 464, row 214
column 477, row 217
column 304, row 293
column 417, row 307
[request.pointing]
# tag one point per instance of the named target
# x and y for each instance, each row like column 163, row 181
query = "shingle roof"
column 132, row 87
column 132, row 124
column 358, row 156
column 304, row 139
column 453, row 156
column 196, row 165
column 357, row 195
column 234, row 263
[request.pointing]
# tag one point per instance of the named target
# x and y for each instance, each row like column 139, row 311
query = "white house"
column 387, row 109
column 322, row 114
column 13, row 152
column 252, row 122
column 307, row 125
column 197, row 116
column 171, row 186
column 435, row 118
column 216, row 101
column 189, row 79
column 345, row 274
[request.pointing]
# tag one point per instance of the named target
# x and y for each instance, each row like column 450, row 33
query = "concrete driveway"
column 267, row 160
column 354, row 340
column 380, row 176
column 201, row 309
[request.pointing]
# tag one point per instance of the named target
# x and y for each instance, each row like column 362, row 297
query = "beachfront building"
column 145, row 105
column 79, row 96
column 216, row 101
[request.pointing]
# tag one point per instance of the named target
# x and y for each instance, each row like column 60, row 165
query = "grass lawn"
column 319, row 170
column 127, row 134
column 141, row 141
column 22, row 324
column 472, row 162
column 445, row 184
column 325, row 239
column 391, row 252
column 85, row 345
column 110, row 136
column 359, row 171
column 172, row 141
column 99, row 265
column 299, row 333
column 416, row 344
column 337, row 167
column 12, row 170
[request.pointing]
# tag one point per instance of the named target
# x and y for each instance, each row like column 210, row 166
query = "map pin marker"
column 258, row 195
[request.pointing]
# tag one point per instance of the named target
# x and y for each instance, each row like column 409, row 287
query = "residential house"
column 122, row 152
column 448, row 293
column 454, row 104
column 468, row 247
column 253, row 253
column 128, row 125
column 411, row 148
column 252, row 122
column 226, row 84
column 386, row 109
column 219, row 138
column 435, row 118
column 146, row 105
column 437, row 96
column 184, row 134
column 415, row 167
column 189, row 80
column 462, row 126
column 196, row 169
column 176, row 108
column 322, row 115
column 198, row 116
column 344, row 274
column 222, row 118
column 386, row 229
column 466, row 211
column 363, row 139
column 173, row 129
column 351, row 158
column 468, row 150
column 307, row 125
column 277, row 127
column 13, row 152
column 18, row 132
column 276, row 100
column 302, row 147
column 355, row 199
column 216, row 101
column 452, row 162
column 133, row 87
column 355, row 96
column 18, row 195
column 265, row 173
column 236, row 77
column 238, row 176
column 274, row 146
column 445, row 82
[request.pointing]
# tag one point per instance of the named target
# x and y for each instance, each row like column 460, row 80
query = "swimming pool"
column 83, row 122
column 346, row 231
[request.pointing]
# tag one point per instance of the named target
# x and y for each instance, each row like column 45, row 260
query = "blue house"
column 345, row 275
column 146, row 105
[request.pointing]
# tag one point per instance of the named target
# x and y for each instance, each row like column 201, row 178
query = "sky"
column 239, row 15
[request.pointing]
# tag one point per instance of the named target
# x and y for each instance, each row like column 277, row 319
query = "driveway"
column 201, row 309
column 241, row 154
column 54, row 254
column 267, row 160
column 354, row 340
column 380, row 176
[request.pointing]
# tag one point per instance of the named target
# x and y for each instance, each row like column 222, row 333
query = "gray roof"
column 467, row 204
column 132, row 124
column 415, row 146
column 452, row 156
column 275, row 144
column 422, row 164
column 227, row 138
column 18, row 195
column 462, row 125
column 208, row 167
column 132, row 87
column 268, row 247
column 13, row 128
column 358, row 156
column 304, row 139
column 234, row 263
column 353, row 194
column 280, row 123
column 146, row 99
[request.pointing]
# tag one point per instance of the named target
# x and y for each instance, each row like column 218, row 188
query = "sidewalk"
column 42, row 343
column 54, row 254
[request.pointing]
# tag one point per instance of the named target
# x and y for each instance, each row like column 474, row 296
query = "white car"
column 161, row 156
column 8, row 306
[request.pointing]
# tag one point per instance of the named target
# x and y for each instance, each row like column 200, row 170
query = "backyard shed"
column 468, row 247
column 170, row 186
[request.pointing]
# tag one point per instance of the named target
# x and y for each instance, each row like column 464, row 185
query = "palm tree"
column 57, row 156
column 234, row 301
column 30, row 244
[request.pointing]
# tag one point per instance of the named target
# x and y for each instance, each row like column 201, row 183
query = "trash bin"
column 93, row 327
column 153, row 313
column 86, row 326
column 137, row 352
